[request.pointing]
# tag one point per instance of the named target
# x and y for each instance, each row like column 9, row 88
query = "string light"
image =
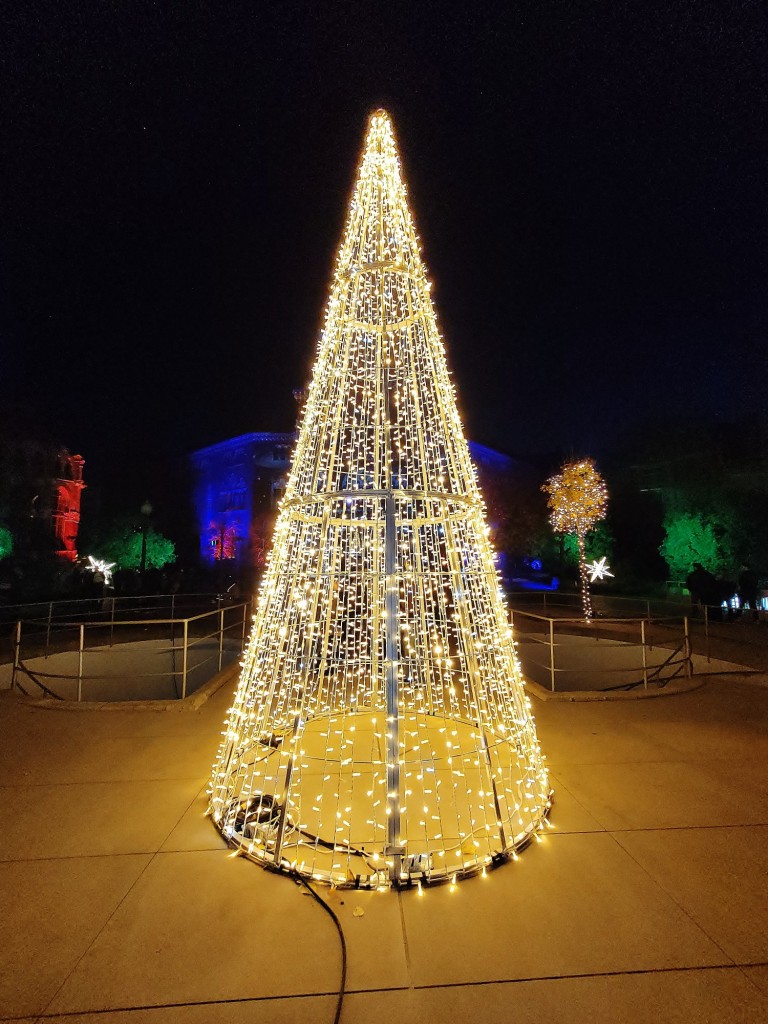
column 577, row 500
column 380, row 733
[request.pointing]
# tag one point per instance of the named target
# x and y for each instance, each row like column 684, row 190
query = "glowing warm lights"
column 380, row 733
column 599, row 570
column 577, row 500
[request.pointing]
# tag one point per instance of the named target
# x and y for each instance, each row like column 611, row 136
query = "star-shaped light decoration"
column 99, row 565
column 598, row 570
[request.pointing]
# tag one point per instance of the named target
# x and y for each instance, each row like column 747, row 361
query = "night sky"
column 588, row 181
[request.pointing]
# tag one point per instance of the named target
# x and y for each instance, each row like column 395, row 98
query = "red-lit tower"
column 66, row 514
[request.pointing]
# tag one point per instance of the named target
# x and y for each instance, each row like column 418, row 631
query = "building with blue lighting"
column 238, row 484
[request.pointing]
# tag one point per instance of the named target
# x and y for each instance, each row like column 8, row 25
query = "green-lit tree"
column 598, row 543
column 122, row 544
column 6, row 542
column 691, row 537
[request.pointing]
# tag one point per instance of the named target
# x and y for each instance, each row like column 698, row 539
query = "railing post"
column 552, row 652
column 221, row 636
column 645, row 657
column 80, row 664
column 16, row 654
column 173, row 606
column 48, row 629
column 648, row 610
column 688, row 665
column 112, row 624
column 706, row 629
column 184, row 660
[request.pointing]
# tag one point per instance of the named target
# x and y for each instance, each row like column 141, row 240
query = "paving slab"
column 73, row 758
column 90, row 819
column 716, row 721
column 39, row 747
column 195, row 830
column 42, row 745
column 719, row 876
column 667, row 794
column 601, row 732
column 50, row 912
column 638, row 925
column 27, row 719
column 204, row 926
column 724, row 996
column 574, row 904
column 363, row 1007
column 758, row 975
column 568, row 814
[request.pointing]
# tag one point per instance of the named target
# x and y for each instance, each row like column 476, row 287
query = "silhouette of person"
column 703, row 587
column 748, row 589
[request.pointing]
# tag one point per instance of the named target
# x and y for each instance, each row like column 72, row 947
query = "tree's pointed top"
column 379, row 139
column 380, row 119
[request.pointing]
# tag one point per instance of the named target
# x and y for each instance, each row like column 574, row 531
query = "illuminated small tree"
column 123, row 546
column 691, row 537
column 224, row 539
column 380, row 733
column 577, row 500
column 6, row 542
column 262, row 525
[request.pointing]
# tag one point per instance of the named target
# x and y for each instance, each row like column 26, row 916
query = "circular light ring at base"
column 470, row 805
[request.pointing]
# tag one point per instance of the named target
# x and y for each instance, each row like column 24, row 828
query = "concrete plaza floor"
column 648, row 902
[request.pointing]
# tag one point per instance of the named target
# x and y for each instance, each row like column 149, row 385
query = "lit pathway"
column 648, row 903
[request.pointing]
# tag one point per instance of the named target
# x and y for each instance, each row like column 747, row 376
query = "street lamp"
column 146, row 511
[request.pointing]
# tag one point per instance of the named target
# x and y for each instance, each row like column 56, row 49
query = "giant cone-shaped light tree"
column 380, row 733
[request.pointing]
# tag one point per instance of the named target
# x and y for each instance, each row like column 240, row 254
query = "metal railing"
column 88, row 609
column 564, row 653
column 135, row 658
column 556, row 602
column 717, row 633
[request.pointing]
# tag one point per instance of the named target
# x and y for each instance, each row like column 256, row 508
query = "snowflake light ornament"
column 99, row 565
column 598, row 570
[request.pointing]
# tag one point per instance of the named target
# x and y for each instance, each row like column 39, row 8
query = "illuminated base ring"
column 334, row 827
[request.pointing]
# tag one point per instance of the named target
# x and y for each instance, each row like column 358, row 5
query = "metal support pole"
column 184, row 660
column 552, row 652
column 245, row 612
column 173, row 606
column 687, row 648
column 287, row 787
column 80, row 664
column 16, row 654
column 221, row 636
column 48, row 630
column 645, row 656
column 112, row 624
column 394, row 848
column 706, row 629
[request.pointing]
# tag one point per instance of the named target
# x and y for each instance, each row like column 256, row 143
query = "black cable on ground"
column 337, row 922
